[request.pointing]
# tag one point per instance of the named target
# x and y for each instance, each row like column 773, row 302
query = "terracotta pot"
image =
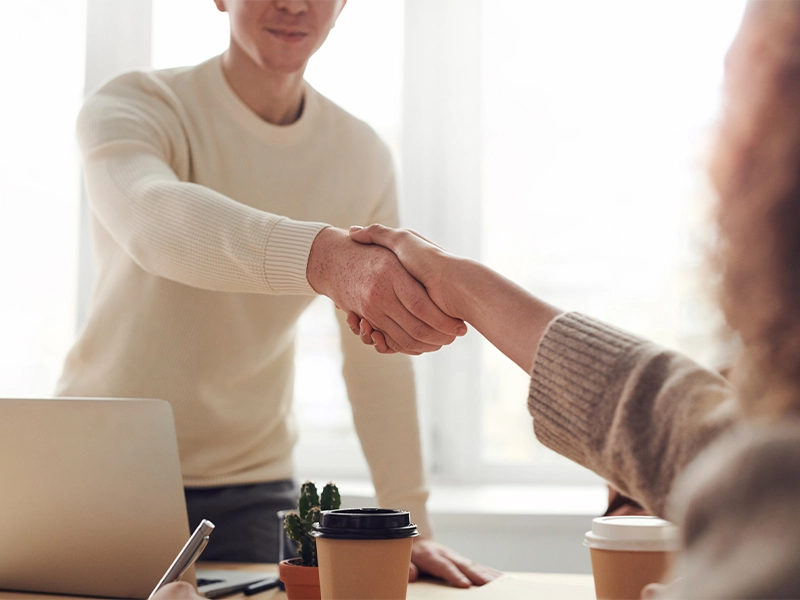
column 302, row 583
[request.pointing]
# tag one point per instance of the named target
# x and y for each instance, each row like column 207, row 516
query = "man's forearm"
column 323, row 250
column 507, row 315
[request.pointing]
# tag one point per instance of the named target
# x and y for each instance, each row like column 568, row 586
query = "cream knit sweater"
column 669, row 434
column 203, row 219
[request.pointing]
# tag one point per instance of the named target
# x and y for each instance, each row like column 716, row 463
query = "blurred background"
column 562, row 143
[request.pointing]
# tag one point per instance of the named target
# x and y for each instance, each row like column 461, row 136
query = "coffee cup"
column 628, row 553
column 364, row 553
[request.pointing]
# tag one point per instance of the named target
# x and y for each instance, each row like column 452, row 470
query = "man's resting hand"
column 180, row 590
column 434, row 559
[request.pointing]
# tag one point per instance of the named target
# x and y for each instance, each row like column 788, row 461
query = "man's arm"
column 135, row 158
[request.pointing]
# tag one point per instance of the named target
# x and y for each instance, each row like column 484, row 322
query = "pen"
column 262, row 586
column 188, row 554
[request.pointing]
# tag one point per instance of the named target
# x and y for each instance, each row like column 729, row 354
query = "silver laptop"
column 91, row 498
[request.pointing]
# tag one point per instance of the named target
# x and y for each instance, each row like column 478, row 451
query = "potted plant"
column 301, row 575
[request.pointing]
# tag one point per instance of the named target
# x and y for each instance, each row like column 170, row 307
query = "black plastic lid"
column 365, row 524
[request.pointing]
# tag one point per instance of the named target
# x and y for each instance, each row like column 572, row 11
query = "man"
column 218, row 195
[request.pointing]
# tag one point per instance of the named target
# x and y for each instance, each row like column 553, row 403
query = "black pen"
column 262, row 586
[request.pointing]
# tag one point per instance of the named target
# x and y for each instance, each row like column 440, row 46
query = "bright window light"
column 42, row 60
column 596, row 123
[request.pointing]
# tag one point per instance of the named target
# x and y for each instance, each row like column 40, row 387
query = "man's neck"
column 275, row 97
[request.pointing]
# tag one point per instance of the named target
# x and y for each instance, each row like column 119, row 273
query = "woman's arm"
column 627, row 409
column 507, row 315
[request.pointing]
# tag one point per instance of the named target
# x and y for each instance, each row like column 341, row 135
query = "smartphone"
column 188, row 554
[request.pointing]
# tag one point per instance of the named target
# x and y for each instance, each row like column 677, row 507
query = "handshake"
column 400, row 291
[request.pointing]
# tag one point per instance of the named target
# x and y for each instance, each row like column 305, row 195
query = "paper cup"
column 628, row 553
column 364, row 553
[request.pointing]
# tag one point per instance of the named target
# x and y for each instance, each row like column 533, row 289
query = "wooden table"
column 512, row 586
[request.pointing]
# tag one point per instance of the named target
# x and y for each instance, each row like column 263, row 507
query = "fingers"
column 438, row 566
column 368, row 335
column 396, row 304
column 477, row 573
column 180, row 590
column 652, row 591
column 422, row 237
column 374, row 234
column 439, row 561
column 403, row 334
column 353, row 322
column 438, row 327
column 381, row 345
column 423, row 260
column 365, row 332
column 376, row 338
column 413, row 573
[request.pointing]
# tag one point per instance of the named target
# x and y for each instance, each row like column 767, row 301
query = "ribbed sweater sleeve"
column 624, row 407
column 133, row 145
column 382, row 393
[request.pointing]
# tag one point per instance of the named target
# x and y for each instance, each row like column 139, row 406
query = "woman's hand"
column 506, row 314
column 180, row 590
column 424, row 260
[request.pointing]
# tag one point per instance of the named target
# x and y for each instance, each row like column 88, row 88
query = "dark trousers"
column 247, row 528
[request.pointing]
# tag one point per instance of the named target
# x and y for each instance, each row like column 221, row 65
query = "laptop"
column 91, row 499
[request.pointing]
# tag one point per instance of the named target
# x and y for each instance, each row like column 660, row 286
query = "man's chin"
column 285, row 65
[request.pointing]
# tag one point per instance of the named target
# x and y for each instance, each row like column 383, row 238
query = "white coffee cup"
column 628, row 553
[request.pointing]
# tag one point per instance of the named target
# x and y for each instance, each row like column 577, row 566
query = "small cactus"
column 298, row 525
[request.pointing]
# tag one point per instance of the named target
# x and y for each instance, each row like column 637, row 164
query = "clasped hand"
column 368, row 280
column 426, row 262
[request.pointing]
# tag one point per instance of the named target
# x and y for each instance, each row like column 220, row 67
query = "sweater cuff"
column 286, row 256
column 419, row 514
column 573, row 369
column 420, row 518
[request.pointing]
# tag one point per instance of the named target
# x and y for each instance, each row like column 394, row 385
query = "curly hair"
column 756, row 172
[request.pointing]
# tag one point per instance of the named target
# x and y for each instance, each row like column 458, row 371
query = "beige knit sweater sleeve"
column 625, row 408
column 639, row 415
column 137, row 166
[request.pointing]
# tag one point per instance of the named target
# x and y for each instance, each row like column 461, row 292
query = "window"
column 41, row 190
column 596, row 117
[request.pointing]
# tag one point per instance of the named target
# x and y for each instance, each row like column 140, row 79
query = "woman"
column 640, row 415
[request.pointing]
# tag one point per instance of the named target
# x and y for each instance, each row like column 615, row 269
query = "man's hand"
column 423, row 259
column 180, row 590
column 434, row 559
column 371, row 282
